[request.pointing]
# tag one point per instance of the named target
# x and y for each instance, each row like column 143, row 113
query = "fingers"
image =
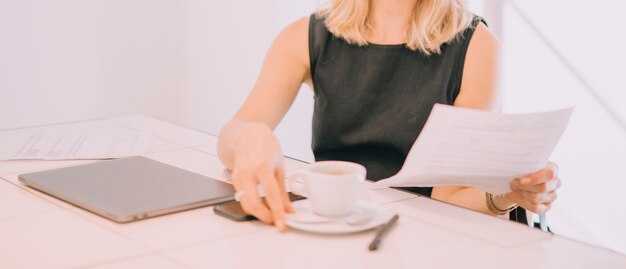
column 539, row 198
column 535, row 198
column 544, row 187
column 547, row 173
column 529, row 204
column 280, row 176
column 274, row 198
column 251, row 203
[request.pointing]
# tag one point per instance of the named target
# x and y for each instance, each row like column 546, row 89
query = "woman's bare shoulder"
column 293, row 40
column 484, row 40
column 299, row 27
column 480, row 73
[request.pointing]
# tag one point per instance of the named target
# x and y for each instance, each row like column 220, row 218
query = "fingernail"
column 524, row 181
column 281, row 225
column 290, row 209
column 542, row 210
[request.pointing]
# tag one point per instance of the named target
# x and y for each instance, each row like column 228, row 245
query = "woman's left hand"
column 536, row 192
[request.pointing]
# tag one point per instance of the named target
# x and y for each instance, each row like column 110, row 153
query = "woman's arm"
column 247, row 145
column 479, row 90
column 536, row 191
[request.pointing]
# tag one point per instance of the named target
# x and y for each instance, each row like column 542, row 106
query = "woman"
column 376, row 67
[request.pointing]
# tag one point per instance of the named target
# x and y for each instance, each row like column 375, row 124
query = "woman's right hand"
column 247, row 145
column 258, row 160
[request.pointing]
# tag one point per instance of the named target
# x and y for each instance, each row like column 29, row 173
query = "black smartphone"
column 232, row 210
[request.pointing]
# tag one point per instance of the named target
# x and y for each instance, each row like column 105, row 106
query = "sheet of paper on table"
column 466, row 147
column 42, row 144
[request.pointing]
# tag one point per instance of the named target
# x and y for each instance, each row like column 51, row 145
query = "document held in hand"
column 487, row 150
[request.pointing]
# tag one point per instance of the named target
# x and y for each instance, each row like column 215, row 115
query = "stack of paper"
column 42, row 144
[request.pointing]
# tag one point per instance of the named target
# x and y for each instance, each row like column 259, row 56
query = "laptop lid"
column 129, row 189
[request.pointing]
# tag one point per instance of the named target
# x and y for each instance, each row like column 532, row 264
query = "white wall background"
column 561, row 53
column 192, row 62
column 65, row 60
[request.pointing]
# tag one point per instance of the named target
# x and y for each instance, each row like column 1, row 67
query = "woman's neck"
column 388, row 20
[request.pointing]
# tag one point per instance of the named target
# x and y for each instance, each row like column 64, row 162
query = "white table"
column 39, row 231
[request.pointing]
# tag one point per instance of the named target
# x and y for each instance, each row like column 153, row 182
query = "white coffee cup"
column 333, row 187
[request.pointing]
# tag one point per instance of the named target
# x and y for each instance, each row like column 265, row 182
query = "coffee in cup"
column 333, row 187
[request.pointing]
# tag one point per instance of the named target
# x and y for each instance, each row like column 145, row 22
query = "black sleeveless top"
column 371, row 102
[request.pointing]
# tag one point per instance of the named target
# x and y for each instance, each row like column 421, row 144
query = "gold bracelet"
column 495, row 210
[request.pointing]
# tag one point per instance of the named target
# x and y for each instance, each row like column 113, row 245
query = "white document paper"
column 466, row 147
column 54, row 145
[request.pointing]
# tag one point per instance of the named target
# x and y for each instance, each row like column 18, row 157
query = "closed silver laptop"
column 129, row 189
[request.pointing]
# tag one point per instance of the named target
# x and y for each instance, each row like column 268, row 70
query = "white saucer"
column 303, row 209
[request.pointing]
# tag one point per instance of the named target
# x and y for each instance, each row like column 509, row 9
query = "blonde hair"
column 434, row 23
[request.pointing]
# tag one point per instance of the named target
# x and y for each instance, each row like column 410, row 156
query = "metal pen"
column 542, row 222
column 382, row 232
